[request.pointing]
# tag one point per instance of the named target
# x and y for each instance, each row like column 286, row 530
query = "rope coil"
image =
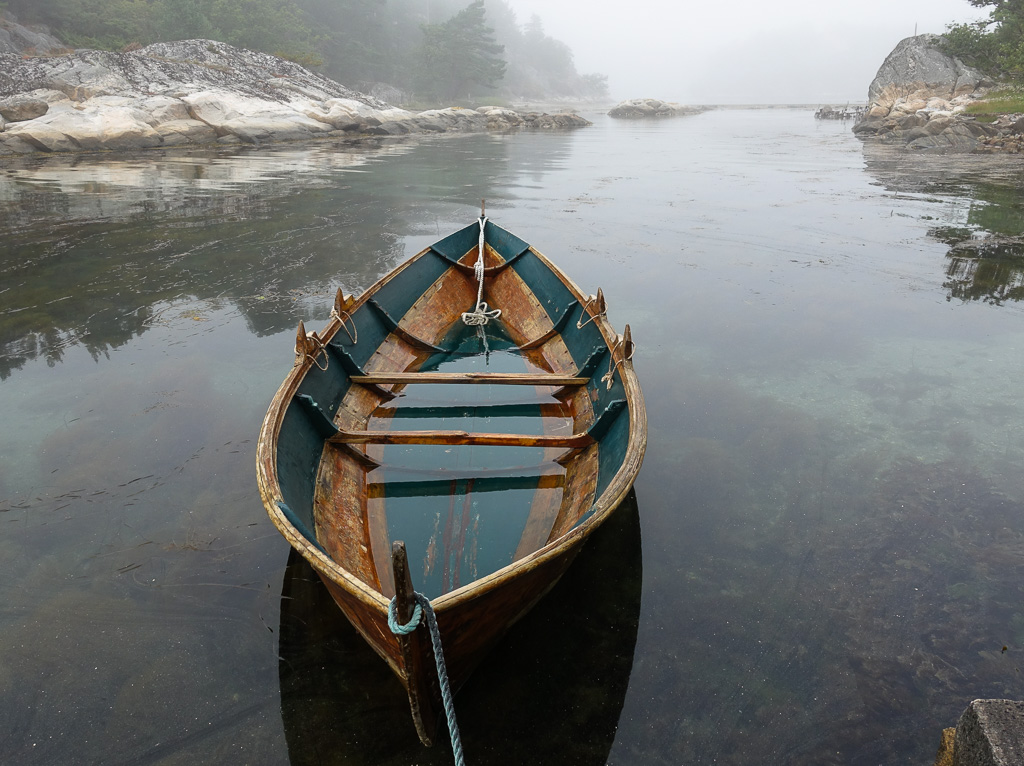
column 482, row 314
column 423, row 607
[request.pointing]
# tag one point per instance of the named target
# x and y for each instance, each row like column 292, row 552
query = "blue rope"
column 423, row 607
column 409, row 627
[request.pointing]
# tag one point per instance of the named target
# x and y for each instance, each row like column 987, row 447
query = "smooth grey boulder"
column 918, row 98
column 916, row 71
column 957, row 138
column 21, row 108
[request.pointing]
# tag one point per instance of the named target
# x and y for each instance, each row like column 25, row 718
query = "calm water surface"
column 823, row 563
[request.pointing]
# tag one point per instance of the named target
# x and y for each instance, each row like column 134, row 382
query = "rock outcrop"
column 639, row 108
column 202, row 92
column 916, row 72
column 918, row 97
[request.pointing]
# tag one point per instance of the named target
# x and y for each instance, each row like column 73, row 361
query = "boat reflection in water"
column 550, row 692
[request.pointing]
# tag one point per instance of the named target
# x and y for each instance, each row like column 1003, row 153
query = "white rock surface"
column 201, row 92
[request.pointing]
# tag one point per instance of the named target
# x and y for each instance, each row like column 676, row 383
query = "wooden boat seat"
column 493, row 378
column 574, row 441
column 342, row 437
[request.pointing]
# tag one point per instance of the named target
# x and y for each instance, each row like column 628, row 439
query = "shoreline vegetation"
column 999, row 102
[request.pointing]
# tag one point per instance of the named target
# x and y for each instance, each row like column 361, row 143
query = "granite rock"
column 640, row 108
column 918, row 99
column 201, row 92
column 990, row 733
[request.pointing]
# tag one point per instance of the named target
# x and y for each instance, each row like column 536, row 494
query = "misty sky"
column 739, row 51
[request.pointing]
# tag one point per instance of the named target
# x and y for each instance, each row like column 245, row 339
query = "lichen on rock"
column 201, row 92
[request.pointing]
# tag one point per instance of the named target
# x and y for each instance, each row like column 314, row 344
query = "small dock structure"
column 839, row 112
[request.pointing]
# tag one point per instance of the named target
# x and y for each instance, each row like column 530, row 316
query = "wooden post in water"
column 416, row 651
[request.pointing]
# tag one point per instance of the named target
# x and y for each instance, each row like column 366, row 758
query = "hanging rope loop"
column 624, row 343
column 396, row 627
column 342, row 304
column 481, row 314
column 600, row 308
column 344, row 318
column 311, row 347
column 422, row 608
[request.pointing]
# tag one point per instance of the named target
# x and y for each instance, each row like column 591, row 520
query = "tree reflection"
column 990, row 270
column 96, row 251
column 986, row 246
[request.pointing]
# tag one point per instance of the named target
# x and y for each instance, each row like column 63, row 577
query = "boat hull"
column 324, row 435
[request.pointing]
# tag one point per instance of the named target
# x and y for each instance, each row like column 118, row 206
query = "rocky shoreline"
column 204, row 92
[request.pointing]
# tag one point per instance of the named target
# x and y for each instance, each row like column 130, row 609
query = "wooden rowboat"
column 489, row 517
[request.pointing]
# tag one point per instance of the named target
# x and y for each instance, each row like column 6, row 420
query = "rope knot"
column 480, row 315
column 424, row 609
column 396, row 627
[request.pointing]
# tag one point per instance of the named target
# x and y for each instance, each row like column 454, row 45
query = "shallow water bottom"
column 831, row 506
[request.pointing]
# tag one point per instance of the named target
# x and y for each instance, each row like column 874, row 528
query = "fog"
column 742, row 51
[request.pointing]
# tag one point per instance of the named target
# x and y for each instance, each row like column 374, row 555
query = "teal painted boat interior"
column 461, row 510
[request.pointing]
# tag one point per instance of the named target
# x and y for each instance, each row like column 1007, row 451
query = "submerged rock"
column 639, row 108
column 200, row 92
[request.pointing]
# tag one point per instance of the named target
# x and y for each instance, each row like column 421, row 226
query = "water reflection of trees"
column 96, row 284
column 986, row 247
column 93, row 247
column 990, row 269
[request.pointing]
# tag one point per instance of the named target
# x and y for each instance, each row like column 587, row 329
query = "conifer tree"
column 460, row 56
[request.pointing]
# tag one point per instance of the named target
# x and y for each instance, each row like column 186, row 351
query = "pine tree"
column 460, row 55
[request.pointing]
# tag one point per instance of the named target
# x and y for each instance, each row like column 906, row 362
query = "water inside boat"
column 467, row 511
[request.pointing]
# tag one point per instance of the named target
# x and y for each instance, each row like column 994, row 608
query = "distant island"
column 642, row 108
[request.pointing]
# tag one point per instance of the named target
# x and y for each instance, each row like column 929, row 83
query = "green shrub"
column 1009, row 100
